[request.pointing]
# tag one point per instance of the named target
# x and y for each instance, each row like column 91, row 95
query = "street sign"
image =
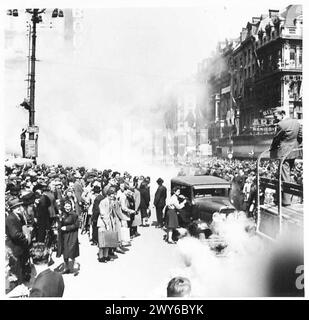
column 30, row 148
column 33, row 129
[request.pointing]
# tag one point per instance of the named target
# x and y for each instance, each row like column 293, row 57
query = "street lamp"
column 36, row 17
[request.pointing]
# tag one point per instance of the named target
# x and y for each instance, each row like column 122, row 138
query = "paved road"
column 140, row 273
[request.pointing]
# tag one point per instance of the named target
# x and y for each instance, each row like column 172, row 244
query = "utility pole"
column 29, row 105
column 34, row 19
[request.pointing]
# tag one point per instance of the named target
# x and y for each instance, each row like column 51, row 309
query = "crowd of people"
column 50, row 206
column 242, row 174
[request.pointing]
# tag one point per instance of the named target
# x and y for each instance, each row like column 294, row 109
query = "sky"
column 97, row 96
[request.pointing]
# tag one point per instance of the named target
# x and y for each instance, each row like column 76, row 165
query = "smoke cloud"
column 250, row 265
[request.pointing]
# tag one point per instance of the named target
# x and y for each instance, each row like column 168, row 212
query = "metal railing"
column 279, row 188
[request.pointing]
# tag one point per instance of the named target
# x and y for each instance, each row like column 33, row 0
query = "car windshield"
column 200, row 193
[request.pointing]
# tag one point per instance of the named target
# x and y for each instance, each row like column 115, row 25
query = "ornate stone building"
column 279, row 49
column 247, row 78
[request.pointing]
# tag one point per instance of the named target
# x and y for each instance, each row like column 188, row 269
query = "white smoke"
column 244, row 268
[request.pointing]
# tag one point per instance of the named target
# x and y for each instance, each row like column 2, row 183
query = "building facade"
column 247, row 78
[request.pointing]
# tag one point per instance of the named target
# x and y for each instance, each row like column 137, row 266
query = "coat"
column 96, row 209
column 78, row 191
column 160, row 197
column 288, row 137
column 106, row 219
column 125, row 206
column 145, row 199
column 53, row 208
column 119, row 216
column 68, row 244
column 137, row 201
column 47, row 284
column 15, row 238
column 43, row 217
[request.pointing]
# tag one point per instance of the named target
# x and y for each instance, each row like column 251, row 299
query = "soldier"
column 288, row 137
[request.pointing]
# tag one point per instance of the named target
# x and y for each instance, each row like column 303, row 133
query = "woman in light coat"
column 106, row 222
column 172, row 207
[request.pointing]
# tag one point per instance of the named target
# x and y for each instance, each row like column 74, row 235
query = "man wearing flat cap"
column 16, row 239
column 159, row 202
column 287, row 138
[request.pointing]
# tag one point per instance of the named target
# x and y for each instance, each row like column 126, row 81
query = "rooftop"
column 199, row 180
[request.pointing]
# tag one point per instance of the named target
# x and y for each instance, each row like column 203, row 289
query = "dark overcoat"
column 145, row 199
column 160, row 197
column 53, row 208
column 68, row 240
column 43, row 217
column 15, row 238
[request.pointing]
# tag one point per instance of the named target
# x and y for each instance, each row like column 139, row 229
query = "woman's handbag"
column 108, row 239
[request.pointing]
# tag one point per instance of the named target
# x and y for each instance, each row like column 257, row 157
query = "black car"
column 205, row 194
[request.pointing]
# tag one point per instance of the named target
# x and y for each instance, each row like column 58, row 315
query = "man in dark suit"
column 47, row 283
column 42, row 214
column 288, row 137
column 159, row 202
column 95, row 214
column 23, row 142
column 16, row 239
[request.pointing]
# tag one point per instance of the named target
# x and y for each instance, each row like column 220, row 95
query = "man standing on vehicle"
column 287, row 138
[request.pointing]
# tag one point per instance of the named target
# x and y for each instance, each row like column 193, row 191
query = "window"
column 292, row 53
column 300, row 57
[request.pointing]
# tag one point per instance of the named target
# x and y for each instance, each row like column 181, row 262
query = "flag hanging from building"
column 257, row 59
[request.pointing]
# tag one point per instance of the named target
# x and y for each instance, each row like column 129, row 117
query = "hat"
column 28, row 198
column 110, row 191
column 15, row 202
column 160, row 181
column 96, row 183
column 96, row 189
column 15, row 189
column 39, row 186
column 278, row 109
column 77, row 174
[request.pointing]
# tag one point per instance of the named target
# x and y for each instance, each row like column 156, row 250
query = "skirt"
column 171, row 219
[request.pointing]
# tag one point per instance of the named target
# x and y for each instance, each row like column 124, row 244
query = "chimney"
column 255, row 20
column 273, row 13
